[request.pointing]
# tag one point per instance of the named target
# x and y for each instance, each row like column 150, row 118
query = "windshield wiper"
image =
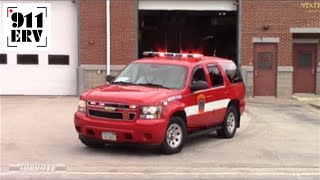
column 152, row 85
column 124, row 83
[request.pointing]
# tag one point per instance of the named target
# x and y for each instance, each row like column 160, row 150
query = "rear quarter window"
column 232, row 71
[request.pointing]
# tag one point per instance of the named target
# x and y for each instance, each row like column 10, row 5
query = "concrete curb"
column 311, row 100
column 314, row 98
column 317, row 106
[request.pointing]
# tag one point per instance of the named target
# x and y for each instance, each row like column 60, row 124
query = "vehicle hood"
column 127, row 94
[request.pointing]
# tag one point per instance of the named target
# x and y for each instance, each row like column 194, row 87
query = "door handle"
column 255, row 72
column 226, row 92
column 312, row 70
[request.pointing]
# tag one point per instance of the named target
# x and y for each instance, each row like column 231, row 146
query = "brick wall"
column 280, row 16
column 123, row 31
column 93, row 32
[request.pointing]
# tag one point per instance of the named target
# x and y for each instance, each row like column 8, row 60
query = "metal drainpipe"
column 239, row 8
column 108, row 35
column 80, row 71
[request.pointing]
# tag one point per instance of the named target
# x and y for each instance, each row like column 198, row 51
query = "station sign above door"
column 311, row 7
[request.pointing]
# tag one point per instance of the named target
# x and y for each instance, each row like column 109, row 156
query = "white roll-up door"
column 196, row 5
column 44, row 73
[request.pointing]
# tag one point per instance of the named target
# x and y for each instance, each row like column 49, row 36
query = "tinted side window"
column 215, row 75
column 232, row 72
column 198, row 75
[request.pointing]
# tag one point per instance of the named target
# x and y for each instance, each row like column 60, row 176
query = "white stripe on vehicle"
column 209, row 106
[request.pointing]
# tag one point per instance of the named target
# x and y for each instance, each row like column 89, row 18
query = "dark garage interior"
column 213, row 33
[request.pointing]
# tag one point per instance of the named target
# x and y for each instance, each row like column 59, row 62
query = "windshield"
column 150, row 74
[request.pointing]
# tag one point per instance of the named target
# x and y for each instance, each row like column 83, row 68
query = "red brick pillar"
column 92, row 70
column 124, row 25
column 93, row 32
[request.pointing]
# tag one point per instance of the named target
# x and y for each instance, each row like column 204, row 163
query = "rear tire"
column 229, row 126
column 91, row 143
column 175, row 136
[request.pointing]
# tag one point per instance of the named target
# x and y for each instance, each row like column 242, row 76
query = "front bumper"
column 137, row 131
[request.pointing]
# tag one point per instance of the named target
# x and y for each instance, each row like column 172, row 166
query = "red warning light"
column 197, row 55
column 184, row 55
column 161, row 54
column 172, row 55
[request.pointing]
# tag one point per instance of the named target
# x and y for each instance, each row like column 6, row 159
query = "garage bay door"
column 201, row 26
column 196, row 5
column 45, row 73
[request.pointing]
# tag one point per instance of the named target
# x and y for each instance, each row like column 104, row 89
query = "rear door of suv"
column 236, row 88
column 218, row 100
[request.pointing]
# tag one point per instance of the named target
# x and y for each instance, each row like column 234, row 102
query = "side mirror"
column 110, row 78
column 199, row 85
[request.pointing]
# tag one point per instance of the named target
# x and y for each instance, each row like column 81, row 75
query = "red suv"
column 162, row 99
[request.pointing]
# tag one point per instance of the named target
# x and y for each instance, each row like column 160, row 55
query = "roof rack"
column 172, row 55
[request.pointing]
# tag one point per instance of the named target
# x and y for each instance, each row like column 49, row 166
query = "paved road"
column 277, row 140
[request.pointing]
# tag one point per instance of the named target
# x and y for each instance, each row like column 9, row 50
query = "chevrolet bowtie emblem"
column 109, row 109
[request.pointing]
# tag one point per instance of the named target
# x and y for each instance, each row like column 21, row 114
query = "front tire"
column 229, row 126
column 91, row 143
column 175, row 136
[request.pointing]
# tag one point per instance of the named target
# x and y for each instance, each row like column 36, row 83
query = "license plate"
column 109, row 136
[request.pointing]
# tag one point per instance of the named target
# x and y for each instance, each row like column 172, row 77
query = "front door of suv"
column 196, row 101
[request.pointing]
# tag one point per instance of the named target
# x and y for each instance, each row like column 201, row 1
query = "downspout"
column 108, row 35
column 243, row 70
column 239, row 8
column 80, row 70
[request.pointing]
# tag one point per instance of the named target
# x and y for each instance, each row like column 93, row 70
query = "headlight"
column 151, row 112
column 82, row 106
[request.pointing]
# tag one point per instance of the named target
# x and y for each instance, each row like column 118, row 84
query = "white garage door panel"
column 221, row 5
column 44, row 79
column 38, row 81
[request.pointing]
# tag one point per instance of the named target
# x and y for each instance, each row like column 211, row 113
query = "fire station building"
column 275, row 43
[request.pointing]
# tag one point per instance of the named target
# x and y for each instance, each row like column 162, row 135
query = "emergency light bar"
column 171, row 54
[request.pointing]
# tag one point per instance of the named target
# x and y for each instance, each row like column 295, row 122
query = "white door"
column 34, row 73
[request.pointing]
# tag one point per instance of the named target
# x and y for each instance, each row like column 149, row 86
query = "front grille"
column 122, row 106
column 104, row 104
column 110, row 115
